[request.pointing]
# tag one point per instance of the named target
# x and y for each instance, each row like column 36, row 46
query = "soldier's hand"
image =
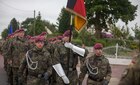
column 46, row 77
column 105, row 82
column 68, row 45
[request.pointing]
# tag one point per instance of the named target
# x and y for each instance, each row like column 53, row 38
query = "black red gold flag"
column 77, row 8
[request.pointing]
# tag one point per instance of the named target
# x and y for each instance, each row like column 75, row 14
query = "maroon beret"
column 50, row 39
column 54, row 38
column 32, row 38
column 59, row 37
column 28, row 36
column 19, row 30
column 39, row 39
column 12, row 34
column 16, row 31
column 98, row 46
column 43, row 34
column 66, row 33
column 9, row 36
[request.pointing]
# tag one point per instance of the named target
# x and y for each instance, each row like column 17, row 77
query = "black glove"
column 45, row 76
column 105, row 82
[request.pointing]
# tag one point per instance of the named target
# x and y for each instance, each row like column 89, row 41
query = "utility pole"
column 34, row 24
column 139, row 45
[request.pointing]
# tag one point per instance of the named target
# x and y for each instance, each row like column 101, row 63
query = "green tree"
column 4, row 33
column 137, row 33
column 25, row 24
column 28, row 24
column 121, row 33
column 116, row 31
column 14, row 24
column 39, row 26
column 100, row 13
column 50, row 26
column 63, row 21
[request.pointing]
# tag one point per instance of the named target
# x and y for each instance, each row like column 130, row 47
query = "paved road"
column 3, row 77
column 116, row 73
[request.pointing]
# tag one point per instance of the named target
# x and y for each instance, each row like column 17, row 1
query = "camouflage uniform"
column 1, row 45
column 44, row 63
column 19, row 49
column 68, row 60
column 7, row 53
column 98, row 69
column 67, row 55
column 131, row 75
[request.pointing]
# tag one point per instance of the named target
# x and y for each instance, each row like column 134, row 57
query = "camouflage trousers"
column 22, row 80
column 73, row 77
column 10, row 74
column 15, row 75
column 31, row 80
column 5, row 64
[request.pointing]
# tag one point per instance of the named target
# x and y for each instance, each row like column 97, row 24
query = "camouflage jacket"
column 66, row 57
column 96, row 67
column 131, row 75
column 43, row 64
column 19, row 49
column 6, row 48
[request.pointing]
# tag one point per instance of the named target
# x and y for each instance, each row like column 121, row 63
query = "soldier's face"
column 39, row 44
column 66, row 39
column 98, row 52
column 22, row 34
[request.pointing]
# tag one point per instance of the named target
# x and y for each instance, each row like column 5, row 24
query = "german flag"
column 77, row 8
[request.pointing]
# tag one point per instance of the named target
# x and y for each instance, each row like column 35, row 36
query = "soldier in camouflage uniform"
column 55, row 53
column 96, row 68
column 6, row 52
column 18, row 51
column 68, row 57
column 30, row 42
column 51, row 47
column 131, row 75
column 6, row 49
column 39, row 64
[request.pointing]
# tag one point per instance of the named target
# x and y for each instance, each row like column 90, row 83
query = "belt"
column 94, row 79
column 35, row 75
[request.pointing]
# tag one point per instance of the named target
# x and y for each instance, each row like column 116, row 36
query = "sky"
column 49, row 9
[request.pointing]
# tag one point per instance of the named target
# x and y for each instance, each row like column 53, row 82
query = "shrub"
column 77, row 41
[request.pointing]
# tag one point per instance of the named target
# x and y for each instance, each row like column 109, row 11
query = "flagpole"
column 69, row 52
column 71, row 26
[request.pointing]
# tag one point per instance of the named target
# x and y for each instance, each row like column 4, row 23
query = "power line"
column 7, row 5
